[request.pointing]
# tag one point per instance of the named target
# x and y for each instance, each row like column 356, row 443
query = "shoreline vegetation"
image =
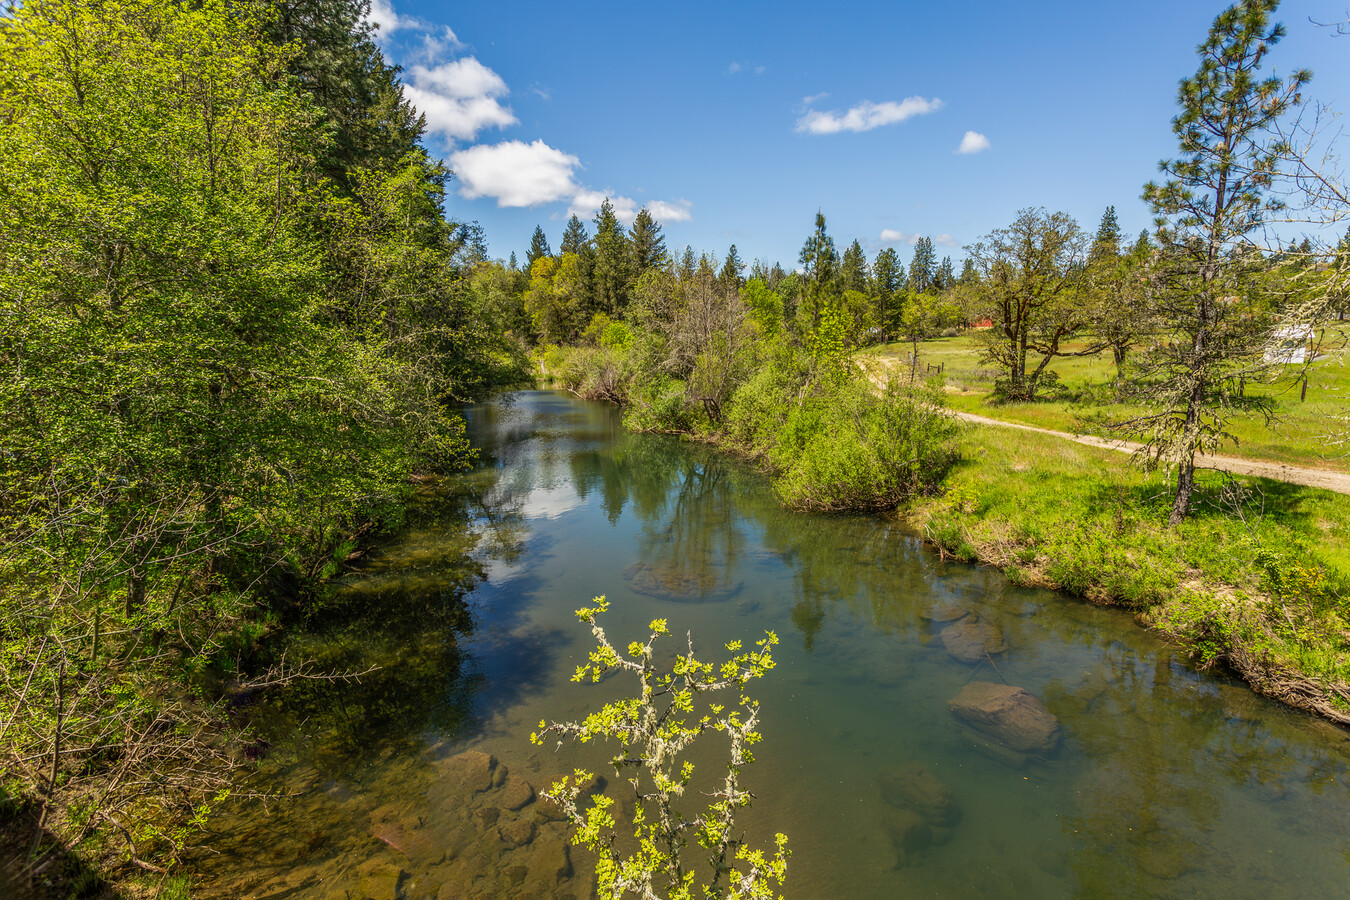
column 1253, row 581
column 239, row 322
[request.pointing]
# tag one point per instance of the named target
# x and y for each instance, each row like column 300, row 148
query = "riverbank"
column 1254, row 580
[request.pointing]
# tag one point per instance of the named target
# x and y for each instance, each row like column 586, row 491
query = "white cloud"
column 665, row 213
column 515, row 173
column 733, row 68
column 760, row 70
column 459, row 98
column 434, row 47
column 382, row 16
column 586, row 202
column 865, row 116
column 973, row 142
column 891, row 236
column 807, row 101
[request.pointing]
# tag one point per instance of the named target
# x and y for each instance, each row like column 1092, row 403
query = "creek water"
column 1167, row 782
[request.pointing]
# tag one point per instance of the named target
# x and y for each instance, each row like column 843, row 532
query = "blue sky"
column 735, row 122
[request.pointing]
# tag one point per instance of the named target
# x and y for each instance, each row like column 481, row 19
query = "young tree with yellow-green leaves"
column 654, row 730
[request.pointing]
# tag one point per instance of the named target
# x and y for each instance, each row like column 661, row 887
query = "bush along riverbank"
column 1255, row 581
column 831, row 442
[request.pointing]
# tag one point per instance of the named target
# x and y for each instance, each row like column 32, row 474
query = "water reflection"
column 1168, row 782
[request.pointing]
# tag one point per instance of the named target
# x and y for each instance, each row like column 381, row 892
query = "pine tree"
column 362, row 108
column 970, row 276
column 923, row 267
column 1106, row 244
column 946, row 275
column 729, row 279
column 649, row 245
column 472, row 245
column 888, row 279
column 688, row 265
column 820, row 270
column 610, row 279
column 853, row 274
column 538, row 248
column 575, row 237
column 1213, row 197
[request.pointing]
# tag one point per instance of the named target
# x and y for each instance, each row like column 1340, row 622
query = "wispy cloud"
column 891, row 236
column 865, row 116
column 515, row 173
column 665, row 213
column 737, row 67
column 459, row 98
column 586, row 202
column 815, row 98
column 973, row 142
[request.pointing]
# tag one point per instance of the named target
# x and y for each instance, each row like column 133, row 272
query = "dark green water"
column 1168, row 782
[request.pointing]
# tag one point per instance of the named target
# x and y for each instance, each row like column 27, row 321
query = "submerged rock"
column 910, row 833
column 671, row 581
column 1010, row 714
column 915, row 788
column 971, row 640
column 469, row 772
column 516, row 792
column 946, row 611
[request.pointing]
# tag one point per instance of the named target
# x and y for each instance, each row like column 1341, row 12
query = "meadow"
column 1303, row 431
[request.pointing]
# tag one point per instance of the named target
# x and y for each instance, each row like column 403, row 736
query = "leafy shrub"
column 847, row 449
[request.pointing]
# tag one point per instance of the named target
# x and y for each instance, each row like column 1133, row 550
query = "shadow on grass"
column 1218, row 497
column 43, row 869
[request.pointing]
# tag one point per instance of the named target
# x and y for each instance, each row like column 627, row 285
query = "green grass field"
column 1300, row 435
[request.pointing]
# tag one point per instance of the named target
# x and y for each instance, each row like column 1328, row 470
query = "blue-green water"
column 1167, row 783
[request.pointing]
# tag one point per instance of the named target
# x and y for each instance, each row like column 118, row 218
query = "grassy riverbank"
column 1255, row 579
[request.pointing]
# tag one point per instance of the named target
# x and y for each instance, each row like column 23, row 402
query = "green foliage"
column 1205, row 287
column 654, row 731
column 847, row 449
column 1257, row 577
column 231, row 313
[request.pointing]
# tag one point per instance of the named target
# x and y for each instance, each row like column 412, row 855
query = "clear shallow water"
column 1168, row 782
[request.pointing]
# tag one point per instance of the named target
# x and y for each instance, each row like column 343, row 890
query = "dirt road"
column 1318, row 478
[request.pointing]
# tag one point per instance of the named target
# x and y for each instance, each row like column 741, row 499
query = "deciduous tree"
column 1031, row 289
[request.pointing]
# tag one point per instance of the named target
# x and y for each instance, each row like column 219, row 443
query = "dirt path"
column 1318, row 478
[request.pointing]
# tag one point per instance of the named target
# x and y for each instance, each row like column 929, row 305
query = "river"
column 1167, row 782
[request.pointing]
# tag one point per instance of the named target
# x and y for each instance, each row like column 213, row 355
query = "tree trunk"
column 1185, row 485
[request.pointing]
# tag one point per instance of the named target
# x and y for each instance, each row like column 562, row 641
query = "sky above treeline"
column 735, row 123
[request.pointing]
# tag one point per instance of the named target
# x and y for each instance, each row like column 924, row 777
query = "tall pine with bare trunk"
column 1205, row 281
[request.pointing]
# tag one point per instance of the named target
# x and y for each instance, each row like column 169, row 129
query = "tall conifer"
column 538, row 248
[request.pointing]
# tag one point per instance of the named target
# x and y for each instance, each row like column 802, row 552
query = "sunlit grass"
column 1302, row 433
